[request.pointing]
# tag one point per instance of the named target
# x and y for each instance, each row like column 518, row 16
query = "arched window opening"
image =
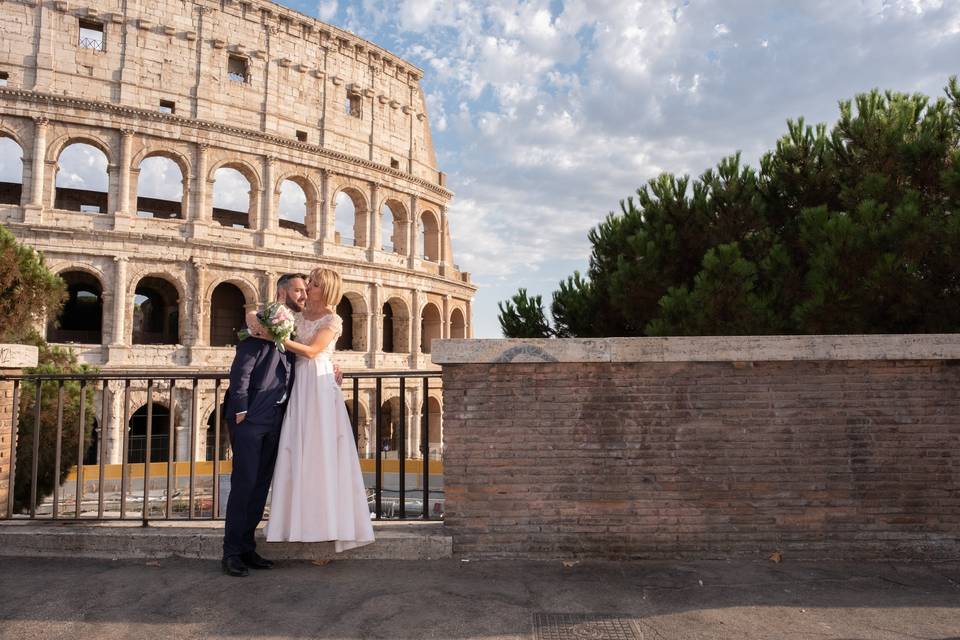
column 430, row 237
column 345, row 311
column 82, row 182
column 458, row 326
column 225, row 451
column 231, row 198
column 394, row 227
column 91, row 455
column 11, row 171
column 159, row 188
column 387, row 346
column 156, row 315
column 159, row 435
column 293, row 207
column 435, row 430
column 226, row 314
column 390, row 428
column 430, row 324
column 347, row 220
column 81, row 319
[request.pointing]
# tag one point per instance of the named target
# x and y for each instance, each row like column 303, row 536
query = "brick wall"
column 814, row 458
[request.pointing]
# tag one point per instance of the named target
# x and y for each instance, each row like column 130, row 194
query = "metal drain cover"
column 573, row 626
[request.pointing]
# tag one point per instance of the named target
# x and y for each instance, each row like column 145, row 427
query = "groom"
column 261, row 378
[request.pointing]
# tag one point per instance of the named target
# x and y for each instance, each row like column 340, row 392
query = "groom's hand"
column 338, row 375
column 240, row 417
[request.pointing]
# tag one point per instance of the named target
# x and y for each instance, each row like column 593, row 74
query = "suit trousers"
column 254, row 456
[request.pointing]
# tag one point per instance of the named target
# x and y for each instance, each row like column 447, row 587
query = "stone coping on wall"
column 17, row 356
column 700, row 349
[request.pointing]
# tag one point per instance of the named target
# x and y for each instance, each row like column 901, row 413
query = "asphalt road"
column 489, row 600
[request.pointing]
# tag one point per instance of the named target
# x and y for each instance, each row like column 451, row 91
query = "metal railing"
column 165, row 486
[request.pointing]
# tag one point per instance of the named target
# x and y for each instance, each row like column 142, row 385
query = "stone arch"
column 81, row 318
column 210, row 434
column 390, row 427
column 458, row 323
column 55, row 148
column 352, row 309
column 160, row 432
column 147, row 206
column 227, row 314
column 431, row 323
column 158, row 322
column 395, row 236
column 360, row 215
column 428, row 235
column 11, row 167
column 68, row 195
column 228, row 217
column 299, row 221
column 364, row 424
column 434, row 413
column 398, row 327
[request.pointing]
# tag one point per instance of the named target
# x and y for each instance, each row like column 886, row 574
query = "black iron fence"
column 67, row 465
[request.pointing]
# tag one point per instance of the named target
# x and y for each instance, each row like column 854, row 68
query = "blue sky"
column 546, row 113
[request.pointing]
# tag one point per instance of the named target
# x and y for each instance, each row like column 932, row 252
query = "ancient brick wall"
column 583, row 456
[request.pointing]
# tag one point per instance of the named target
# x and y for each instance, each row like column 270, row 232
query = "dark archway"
column 430, row 326
column 225, row 452
column 345, row 311
column 156, row 314
column 159, row 435
column 81, row 319
column 226, row 314
column 387, row 329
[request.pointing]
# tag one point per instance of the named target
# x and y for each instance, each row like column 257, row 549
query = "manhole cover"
column 571, row 626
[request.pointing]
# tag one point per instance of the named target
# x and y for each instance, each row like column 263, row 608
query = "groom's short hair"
column 285, row 279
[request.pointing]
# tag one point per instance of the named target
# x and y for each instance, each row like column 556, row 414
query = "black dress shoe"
column 254, row 561
column 234, row 566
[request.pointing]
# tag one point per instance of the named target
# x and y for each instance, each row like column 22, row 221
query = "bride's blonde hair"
column 330, row 283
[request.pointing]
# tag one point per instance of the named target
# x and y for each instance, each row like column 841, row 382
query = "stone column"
column 119, row 302
column 468, row 329
column 268, row 281
column 444, row 249
column 121, row 208
column 268, row 222
column 200, row 310
column 13, row 358
column 376, row 322
column 445, row 321
column 412, row 232
column 200, row 213
column 34, row 209
column 375, row 243
column 326, row 225
column 415, row 327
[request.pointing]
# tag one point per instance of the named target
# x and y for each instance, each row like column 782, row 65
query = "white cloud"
column 326, row 10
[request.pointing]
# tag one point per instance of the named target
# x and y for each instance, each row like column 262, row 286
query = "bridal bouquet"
column 278, row 321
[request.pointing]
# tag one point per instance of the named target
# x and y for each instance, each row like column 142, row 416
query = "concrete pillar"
column 118, row 339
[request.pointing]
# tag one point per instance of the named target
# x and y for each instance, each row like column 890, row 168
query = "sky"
column 546, row 114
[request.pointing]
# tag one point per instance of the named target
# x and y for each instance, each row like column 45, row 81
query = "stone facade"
column 246, row 85
column 12, row 359
column 815, row 446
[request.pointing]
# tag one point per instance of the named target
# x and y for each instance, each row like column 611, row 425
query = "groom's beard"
column 293, row 305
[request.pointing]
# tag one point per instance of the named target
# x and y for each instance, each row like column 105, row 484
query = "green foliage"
column 850, row 230
column 522, row 317
column 28, row 290
column 30, row 294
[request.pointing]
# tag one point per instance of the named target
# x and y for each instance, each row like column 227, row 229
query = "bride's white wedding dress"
column 318, row 491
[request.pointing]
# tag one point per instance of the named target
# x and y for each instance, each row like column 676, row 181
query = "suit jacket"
column 260, row 377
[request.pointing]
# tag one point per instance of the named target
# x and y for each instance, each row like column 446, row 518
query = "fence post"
column 13, row 358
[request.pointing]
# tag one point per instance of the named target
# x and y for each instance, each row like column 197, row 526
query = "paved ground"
column 49, row 599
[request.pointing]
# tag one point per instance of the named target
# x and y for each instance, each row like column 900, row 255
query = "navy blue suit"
column 261, row 379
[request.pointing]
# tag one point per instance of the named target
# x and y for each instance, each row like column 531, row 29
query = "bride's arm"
column 317, row 345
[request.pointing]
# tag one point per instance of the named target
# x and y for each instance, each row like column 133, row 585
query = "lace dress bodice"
column 307, row 329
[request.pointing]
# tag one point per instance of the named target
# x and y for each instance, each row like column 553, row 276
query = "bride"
column 318, row 491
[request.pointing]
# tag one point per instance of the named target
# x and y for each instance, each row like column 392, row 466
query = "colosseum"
column 177, row 157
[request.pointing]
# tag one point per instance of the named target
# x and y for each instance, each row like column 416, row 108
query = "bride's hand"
column 254, row 326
